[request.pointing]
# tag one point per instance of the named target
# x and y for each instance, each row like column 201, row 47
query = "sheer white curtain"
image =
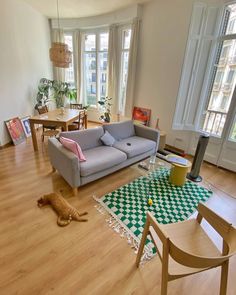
column 132, row 67
column 113, row 68
column 77, row 37
column 58, row 73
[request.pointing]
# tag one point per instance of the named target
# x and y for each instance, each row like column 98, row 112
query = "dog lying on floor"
column 66, row 213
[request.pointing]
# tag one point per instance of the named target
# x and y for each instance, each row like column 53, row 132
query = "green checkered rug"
column 128, row 205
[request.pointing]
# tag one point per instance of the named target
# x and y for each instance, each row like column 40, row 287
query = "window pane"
column 90, row 42
column 233, row 131
column 126, row 38
column 222, row 90
column 103, row 73
column 69, row 72
column 104, row 41
column 90, row 78
column 231, row 26
column 123, row 79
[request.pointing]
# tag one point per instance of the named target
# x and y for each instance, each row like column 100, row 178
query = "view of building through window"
column 224, row 80
column 95, row 66
column 69, row 72
column 126, row 36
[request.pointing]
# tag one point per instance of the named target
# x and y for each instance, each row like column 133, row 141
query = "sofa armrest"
column 147, row 132
column 65, row 162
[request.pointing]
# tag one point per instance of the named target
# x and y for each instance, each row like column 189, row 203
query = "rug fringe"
column 116, row 225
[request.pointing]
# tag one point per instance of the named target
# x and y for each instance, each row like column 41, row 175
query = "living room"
column 173, row 60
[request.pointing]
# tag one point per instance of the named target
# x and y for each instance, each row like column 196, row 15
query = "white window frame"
column 97, row 33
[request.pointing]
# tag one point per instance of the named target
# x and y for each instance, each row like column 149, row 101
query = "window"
column 95, row 53
column 225, row 51
column 69, row 72
column 230, row 76
column 125, row 46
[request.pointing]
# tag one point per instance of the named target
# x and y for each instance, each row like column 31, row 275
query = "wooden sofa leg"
column 75, row 191
column 53, row 169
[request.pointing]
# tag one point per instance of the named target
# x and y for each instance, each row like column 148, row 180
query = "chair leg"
column 75, row 191
column 142, row 243
column 224, row 277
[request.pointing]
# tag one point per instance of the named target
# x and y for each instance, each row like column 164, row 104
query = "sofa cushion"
column 87, row 139
column 135, row 145
column 73, row 146
column 101, row 158
column 108, row 139
column 120, row 130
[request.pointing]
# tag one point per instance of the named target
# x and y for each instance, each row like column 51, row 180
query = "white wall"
column 163, row 38
column 24, row 59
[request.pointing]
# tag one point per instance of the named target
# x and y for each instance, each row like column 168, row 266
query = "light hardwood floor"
column 38, row 257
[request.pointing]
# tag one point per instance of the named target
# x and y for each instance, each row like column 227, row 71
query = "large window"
column 95, row 54
column 69, row 72
column 223, row 75
column 125, row 47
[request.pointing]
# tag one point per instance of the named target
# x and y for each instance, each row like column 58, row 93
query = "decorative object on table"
column 185, row 248
column 162, row 142
column 66, row 213
column 60, row 55
column 141, row 115
column 26, row 126
column 198, row 158
column 128, row 205
column 15, row 130
column 49, row 90
column 105, row 104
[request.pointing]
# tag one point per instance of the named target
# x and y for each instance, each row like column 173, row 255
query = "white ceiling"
column 79, row 8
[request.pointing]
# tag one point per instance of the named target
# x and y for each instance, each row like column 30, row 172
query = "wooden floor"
column 38, row 257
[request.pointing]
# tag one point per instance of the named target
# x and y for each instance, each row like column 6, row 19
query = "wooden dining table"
column 54, row 118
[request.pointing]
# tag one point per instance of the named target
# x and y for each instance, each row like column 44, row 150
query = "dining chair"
column 76, row 106
column 78, row 124
column 184, row 247
column 48, row 130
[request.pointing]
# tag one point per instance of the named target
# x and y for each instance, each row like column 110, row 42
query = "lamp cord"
column 58, row 22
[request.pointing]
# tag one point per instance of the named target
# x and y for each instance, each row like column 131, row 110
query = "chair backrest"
column 224, row 228
column 76, row 106
column 42, row 109
column 81, row 120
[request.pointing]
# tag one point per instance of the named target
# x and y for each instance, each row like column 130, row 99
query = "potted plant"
column 61, row 90
column 43, row 95
column 106, row 108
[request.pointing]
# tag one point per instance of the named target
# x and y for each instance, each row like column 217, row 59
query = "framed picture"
column 15, row 130
column 141, row 115
column 26, row 126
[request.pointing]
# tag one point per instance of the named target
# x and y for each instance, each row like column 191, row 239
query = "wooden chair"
column 76, row 106
column 184, row 248
column 79, row 124
column 47, row 130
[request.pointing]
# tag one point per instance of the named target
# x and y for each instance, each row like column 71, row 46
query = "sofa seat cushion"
column 135, row 145
column 101, row 158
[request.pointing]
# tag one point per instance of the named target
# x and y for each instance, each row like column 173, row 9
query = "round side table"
column 178, row 173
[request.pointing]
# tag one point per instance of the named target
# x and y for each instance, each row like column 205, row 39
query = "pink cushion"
column 74, row 147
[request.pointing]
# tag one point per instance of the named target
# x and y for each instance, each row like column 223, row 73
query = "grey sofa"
column 102, row 160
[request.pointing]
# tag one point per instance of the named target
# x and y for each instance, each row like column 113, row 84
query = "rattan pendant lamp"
column 59, row 52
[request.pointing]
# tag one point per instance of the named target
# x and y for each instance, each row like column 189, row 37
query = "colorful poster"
column 141, row 115
column 26, row 126
column 15, row 130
